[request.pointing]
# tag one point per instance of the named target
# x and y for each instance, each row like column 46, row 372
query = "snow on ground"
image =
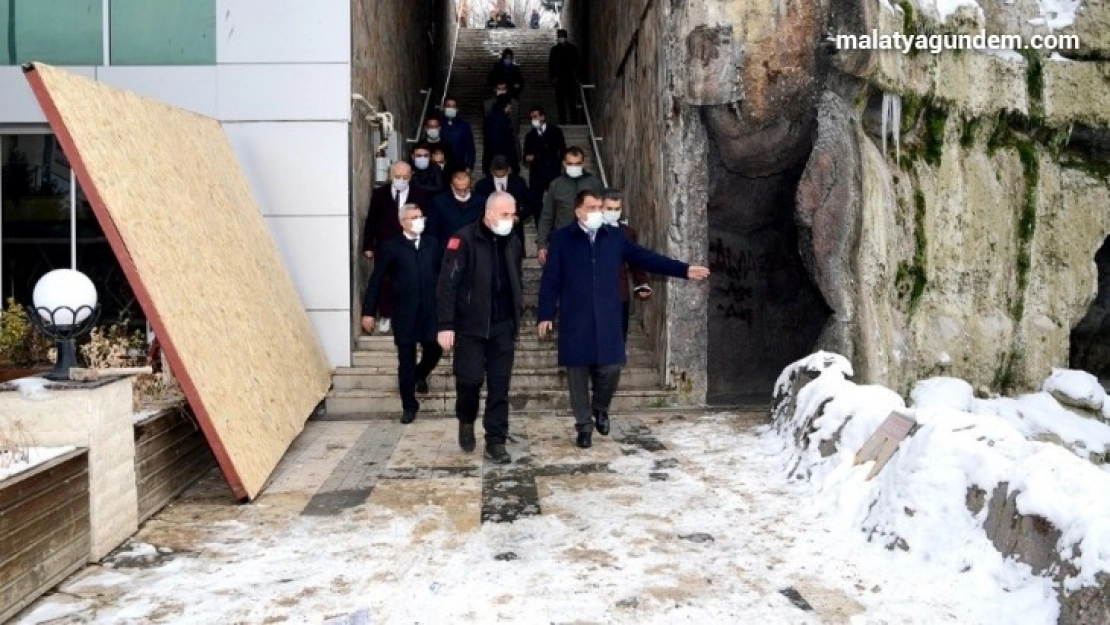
column 24, row 458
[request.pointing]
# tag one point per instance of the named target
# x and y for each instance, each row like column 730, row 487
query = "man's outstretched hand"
column 696, row 272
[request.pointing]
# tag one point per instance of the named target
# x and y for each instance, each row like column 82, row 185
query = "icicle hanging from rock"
column 892, row 120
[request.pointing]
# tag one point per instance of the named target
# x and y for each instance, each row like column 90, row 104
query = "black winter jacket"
column 465, row 292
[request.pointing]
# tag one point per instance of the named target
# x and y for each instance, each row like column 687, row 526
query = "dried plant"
column 15, row 442
column 20, row 345
column 114, row 345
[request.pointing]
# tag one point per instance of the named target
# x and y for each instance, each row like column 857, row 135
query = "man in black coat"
column 381, row 224
column 543, row 154
column 508, row 72
column 480, row 300
column 562, row 69
column 502, row 178
column 412, row 263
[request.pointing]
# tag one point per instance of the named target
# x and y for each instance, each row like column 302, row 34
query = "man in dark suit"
column 456, row 207
column 503, row 178
column 562, row 69
column 412, row 262
column 381, row 224
column 580, row 278
column 543, row 154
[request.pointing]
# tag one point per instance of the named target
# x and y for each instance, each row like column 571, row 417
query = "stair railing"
column 423, row 115
column 594, row 139
column 451, row 64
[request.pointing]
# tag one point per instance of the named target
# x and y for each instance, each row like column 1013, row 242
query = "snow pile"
column 1053, row 14
column 32, row 388
column 21, row 459
column 919, row 501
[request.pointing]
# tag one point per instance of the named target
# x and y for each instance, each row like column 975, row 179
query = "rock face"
column 974, row 248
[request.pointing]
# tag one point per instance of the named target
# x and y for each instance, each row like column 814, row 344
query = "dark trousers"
column 566, row 99
column 408, row 371
column 492, row 359
column 604, row 380
column 626, row 310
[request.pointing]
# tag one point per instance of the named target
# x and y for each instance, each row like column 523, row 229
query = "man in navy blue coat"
column 411, row 260
column 455, row 208
column 580, row 278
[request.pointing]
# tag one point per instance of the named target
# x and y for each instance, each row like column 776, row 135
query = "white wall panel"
column 283, row 92
column 17, row 104
column 334, row 330
column 283, row 31
column 295, row 168
column 316, row 251
column 192, row 88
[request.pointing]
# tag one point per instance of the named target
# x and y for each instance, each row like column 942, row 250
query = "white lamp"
column 65, row 308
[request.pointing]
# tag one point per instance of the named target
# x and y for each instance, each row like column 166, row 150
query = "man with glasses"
column 559, row 202
column 580, row 281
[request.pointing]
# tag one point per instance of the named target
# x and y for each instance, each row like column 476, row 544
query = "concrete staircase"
column 370, row 384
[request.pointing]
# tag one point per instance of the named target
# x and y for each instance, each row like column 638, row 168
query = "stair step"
column 524, row 359
column 360, row 401
column 526, row 341
column 441, row 380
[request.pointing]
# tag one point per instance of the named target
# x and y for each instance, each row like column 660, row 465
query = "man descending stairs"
column 369, row 385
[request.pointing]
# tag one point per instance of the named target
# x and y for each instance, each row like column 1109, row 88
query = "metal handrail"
column 593, row 135
column 451, row 64
column 423, row 115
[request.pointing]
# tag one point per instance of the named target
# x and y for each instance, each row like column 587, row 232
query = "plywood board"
column 172, row 200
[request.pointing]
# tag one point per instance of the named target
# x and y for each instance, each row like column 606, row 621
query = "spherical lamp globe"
column 64, row 297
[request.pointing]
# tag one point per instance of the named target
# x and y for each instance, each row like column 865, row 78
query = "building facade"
column 275, row 73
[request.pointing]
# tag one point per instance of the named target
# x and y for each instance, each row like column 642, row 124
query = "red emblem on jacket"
column 453, row 243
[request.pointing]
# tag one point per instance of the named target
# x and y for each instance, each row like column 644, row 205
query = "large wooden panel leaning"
column 44, row 529
column 172, row 200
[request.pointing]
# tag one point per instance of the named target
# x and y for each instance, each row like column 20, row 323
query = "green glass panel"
column 163, row 32
column 60, row 32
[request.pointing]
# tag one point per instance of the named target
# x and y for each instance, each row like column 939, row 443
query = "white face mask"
column 421, row 162
column 400, row 184
column 537, row 124
column 450, row 112
column 462, row 198
column 503, row 227
column 433, row 133
column 501, row 91
column 418, row 225
column 562, row 39
column 611, row 217
column 594, row 220
column 501, row 180
column 574, row 171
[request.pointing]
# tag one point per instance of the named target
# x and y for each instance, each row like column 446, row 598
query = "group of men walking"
column 448, row 264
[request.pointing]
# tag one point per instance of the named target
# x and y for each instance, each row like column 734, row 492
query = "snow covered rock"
column 942, row 392
column 1077, row 389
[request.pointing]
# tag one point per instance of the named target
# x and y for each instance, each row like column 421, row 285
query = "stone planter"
column 44, row 528
column 170, row 454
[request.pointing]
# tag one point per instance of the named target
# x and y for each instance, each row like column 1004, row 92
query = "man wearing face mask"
column 506, row 71
column 425, row 175
column 381, row 224
column 502, row 178
column 580, row 280
column 544, row 146
column 456, row 207
column 499, row 136
column 500, row 92
column 611, row 203
column 411, row 260
column 457, row 133
column 433, row 138
column 480, row 305
column 559, row 202
column 562, row 69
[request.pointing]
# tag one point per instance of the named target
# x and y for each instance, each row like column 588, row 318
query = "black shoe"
column 422, row 386
column 408, row 416
column 602, row 420
column 584, row 440
column 495, row 452
column 466, row 436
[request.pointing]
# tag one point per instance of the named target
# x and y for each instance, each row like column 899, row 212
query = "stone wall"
column 392, row 60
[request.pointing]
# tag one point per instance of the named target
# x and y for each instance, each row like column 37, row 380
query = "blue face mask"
column 507, row 61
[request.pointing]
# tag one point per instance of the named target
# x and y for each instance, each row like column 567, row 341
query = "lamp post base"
column 67, row 359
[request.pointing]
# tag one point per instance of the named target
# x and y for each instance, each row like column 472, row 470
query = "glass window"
column 163, row 32
column 60, row 32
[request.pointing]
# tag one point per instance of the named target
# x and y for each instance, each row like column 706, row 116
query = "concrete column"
column 97, row 416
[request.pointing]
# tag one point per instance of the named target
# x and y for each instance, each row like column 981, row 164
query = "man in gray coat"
column 559, row 201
